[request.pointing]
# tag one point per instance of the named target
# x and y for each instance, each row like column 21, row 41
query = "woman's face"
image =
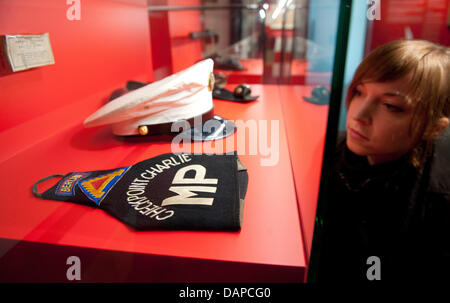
column 378, row 120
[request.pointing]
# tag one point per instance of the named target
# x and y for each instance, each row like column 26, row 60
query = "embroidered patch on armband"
column 97, row 188
column 67, row 186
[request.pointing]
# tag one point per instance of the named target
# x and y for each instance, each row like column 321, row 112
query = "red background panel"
column 185, row 51
column 161, row 43
column 427, row 20
column 95, row 54
column 172, row 48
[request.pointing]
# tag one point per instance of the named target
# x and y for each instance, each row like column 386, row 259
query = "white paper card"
column 28, row 51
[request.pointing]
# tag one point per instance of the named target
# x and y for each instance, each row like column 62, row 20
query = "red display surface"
column 305, row 129
column 269, row 248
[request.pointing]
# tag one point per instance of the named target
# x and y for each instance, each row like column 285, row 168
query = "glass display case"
column 275, row 48
column 296, row 57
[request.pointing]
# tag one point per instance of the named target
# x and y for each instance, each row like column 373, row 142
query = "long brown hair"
column 429, row 66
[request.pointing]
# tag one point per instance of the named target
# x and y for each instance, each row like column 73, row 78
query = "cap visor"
column 213, row 129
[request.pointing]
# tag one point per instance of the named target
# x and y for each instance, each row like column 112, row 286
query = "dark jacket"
column 394, row 211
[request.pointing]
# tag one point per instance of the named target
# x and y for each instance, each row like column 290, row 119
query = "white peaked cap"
column 181, row 96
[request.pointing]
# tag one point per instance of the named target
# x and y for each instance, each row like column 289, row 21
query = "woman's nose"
column 364, row 111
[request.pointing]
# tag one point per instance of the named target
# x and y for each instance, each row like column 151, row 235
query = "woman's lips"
column 356, row 135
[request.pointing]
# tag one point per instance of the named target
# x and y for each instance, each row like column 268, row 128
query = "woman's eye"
column 357, row 92
column 392, row 108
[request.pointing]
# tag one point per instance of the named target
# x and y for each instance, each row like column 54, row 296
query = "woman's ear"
column 440, row 125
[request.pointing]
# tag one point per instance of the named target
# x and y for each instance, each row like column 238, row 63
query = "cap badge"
column 143, row 130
